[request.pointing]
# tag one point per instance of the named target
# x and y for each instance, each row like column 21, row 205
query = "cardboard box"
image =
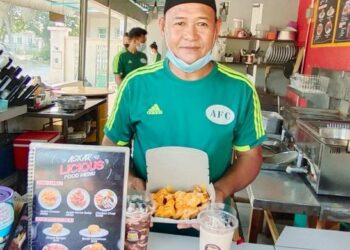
column 179, row 167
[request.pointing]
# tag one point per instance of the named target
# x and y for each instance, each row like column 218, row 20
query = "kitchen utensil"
column 71, row 103
column 282, row 158
column 287, row 35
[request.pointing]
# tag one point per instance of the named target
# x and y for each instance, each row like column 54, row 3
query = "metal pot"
column 287, row 35
column 71, row 103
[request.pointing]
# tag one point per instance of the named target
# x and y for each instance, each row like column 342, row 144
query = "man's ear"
column 161, row 23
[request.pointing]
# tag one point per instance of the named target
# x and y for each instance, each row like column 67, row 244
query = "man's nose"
column 191, row 32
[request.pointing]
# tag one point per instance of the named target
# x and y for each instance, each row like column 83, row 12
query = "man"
column 126, row 43
column 189, row 100
column 154, row 52
column 133, row 57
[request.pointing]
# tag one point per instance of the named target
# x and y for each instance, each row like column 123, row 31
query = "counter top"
column 282, row 192
column 312, row 239
column 159, row 241
column 56, row 112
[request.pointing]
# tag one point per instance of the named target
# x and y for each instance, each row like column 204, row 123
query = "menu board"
column 343, row 24
column 325, row 21
column 78, row 196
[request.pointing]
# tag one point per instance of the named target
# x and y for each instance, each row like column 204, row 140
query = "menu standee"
column 324, row 25
column 78, row 196
column 342, row 34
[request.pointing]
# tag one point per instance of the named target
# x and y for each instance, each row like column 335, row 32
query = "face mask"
column 141, row 47
column 126, row 45
column 189, row 68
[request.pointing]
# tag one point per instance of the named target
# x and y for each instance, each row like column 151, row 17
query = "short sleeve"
column 249, row 132
column 118, row 127
column 118, row 66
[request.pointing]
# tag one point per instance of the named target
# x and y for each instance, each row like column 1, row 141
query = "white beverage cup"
column 217, row 226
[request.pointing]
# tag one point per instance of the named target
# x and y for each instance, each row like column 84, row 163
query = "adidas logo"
column 155, row 110
column 129, row 62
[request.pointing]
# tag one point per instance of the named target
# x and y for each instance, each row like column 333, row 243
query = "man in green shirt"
column 189, row 100
column 126, row 43
column 133, row 57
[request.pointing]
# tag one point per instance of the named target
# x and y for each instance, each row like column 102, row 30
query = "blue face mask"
column 189, row 68
column 141, row 47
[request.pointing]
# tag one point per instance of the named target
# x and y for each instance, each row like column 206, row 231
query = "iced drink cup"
column 216, row 229
column 138, row 220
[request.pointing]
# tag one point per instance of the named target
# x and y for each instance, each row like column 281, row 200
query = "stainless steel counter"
column 334, row 208
column 281, row 192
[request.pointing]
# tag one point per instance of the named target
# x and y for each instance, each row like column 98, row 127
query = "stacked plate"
column 279, row 53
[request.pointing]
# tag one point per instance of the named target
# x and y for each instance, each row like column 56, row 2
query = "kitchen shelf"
column 256, row 39
column 13, row 112
column 259, row 65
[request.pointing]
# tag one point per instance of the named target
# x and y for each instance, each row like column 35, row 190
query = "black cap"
column 171, row 3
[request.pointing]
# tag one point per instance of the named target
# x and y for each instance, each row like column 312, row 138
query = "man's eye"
column 180, row 23
column 202, row 24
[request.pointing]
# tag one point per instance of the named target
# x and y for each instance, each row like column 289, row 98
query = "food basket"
column 310, row 83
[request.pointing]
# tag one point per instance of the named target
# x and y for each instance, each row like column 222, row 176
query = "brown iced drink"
column 138, row 220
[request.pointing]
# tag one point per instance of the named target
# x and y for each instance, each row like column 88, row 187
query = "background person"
column 133, row 57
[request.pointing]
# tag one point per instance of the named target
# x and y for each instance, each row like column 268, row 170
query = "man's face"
column 190, row 30
column 142, row 39
column 126, row 40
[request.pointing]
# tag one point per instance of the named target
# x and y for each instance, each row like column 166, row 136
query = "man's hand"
column 135, row 183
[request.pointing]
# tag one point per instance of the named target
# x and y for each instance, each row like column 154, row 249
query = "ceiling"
column 148, row 5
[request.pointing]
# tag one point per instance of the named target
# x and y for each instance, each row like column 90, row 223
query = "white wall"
column 276, row 13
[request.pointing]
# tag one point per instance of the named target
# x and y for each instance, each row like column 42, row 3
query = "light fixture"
column 155, row 10
column 224, row 11
column 143, row 7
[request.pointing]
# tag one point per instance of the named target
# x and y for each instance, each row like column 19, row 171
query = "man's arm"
column 243, row 171
column 118, row 79
column 134, row 182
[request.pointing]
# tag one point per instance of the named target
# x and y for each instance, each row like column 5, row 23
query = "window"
column 40, row 47
column 102, row 33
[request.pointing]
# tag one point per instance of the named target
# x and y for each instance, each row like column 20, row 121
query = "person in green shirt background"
column 155, row 54
column 189, row 100
column 126, row 42
column 133, row 57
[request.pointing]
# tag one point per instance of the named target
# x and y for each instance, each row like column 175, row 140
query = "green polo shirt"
column 125, row 62
column 216, row 114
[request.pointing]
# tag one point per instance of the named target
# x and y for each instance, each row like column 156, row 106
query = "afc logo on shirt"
column 220, row 114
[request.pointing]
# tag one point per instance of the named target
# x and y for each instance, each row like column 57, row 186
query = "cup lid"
column 139, row 203
column 5, row 194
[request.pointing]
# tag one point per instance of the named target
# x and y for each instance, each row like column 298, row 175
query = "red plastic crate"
column 21, row 145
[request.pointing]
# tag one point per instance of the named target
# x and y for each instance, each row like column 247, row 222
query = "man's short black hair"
column 137, row 32
column 126, row 34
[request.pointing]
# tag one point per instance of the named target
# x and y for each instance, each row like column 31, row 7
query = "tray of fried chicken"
column 173, row 206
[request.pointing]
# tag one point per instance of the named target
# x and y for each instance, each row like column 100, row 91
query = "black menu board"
column 78, row 196
column 325, row 22
column 342, row 34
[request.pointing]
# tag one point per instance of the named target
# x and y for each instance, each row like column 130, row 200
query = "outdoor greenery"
column 14, row 19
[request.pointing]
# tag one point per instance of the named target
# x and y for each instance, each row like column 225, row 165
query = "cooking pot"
column 287, row 35
column 71, row 103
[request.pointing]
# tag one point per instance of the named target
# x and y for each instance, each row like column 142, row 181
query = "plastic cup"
column 138, row 220
column 217, row 225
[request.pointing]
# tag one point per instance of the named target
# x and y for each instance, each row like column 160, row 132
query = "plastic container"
column 272, row 122
column 21, row 145
column 6, row 212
